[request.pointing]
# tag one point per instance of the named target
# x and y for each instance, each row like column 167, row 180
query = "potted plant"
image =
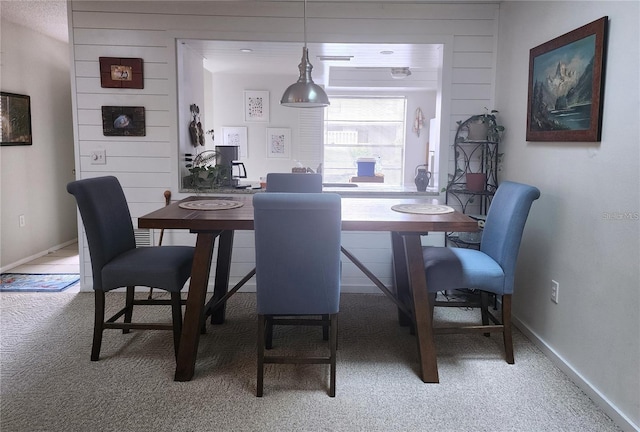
column 484, row 127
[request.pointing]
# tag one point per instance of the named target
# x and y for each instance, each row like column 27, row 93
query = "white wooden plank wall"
column 145, row 165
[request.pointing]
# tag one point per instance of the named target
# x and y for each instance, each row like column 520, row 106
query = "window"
column 356, row 127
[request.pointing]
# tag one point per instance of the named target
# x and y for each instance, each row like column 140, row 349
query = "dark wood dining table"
column 409, row 292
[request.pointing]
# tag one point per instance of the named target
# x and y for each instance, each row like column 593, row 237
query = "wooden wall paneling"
column 129, row 148
column 151, row 86
column 149, row 102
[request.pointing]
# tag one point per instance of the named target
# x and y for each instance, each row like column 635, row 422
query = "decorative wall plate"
column 426, row 209
column 210, row 205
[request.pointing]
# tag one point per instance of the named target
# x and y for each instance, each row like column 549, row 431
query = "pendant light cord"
column 305, row 22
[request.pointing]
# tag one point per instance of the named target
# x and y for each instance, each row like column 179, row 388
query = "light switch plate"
column 99, row 157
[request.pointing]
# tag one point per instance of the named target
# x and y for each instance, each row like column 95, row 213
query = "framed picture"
column 256, row 106
column 123, row 121
column 236, row 136
column 279, row 143
column 566, row 86
column 116, row 72
column 15, row 119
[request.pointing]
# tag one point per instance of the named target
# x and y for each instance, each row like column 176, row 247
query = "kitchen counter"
column 352, row 190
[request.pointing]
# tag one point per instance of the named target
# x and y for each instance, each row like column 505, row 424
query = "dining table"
column 217, row 218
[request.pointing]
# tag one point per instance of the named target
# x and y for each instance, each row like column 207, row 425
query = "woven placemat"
column 426, row 209
column 210, row 205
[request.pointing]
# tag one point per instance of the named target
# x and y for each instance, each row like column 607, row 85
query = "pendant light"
column 305, row 93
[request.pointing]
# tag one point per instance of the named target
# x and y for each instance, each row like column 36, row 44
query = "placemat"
column 210, row 205
column 427, row 209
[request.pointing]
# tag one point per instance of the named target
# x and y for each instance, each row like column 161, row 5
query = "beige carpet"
column 49, row 384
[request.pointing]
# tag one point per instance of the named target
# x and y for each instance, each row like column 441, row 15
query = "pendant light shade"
column 304, row 93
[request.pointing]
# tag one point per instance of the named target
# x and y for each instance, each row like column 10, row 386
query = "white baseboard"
column 38, row 255
column 598, row 398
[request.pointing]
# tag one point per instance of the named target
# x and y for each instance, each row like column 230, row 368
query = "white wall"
column 569, row 238
column 33, row 178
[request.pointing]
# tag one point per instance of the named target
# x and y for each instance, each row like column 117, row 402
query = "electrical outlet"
column 99, row 157
column 22, row 222
column 555, row 290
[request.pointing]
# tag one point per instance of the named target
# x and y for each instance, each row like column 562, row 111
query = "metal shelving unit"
column 473, row 157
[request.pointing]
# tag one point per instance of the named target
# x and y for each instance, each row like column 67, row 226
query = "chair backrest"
column 106, row 218
column 294, row 182
column 505, row 224
column 297, row 243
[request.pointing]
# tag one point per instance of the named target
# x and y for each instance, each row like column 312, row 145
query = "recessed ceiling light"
column 386, row 52
column 246, row 50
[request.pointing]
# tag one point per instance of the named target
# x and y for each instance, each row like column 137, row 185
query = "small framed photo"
column 256, row 106
column 236, row 136
column 279, row 143
column 116, row 72
column 565, row 85
column 123, row 121
column 15, row 117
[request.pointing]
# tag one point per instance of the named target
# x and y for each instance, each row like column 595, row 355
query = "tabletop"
column 358, row 214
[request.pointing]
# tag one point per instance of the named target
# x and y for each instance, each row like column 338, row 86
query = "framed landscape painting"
column 15, row 118
column 566, row 83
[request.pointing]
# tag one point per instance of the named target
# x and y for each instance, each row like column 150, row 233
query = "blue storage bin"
column 366, row 167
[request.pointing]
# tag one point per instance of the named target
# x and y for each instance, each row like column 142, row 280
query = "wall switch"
column 99, row 157
column 22, row 222
column 555, row 288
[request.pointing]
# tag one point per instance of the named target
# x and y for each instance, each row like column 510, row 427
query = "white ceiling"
column 45, row 16
column 368, row 65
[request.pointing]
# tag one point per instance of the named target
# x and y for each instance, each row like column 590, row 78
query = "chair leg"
column 176, row 314
column 98, row 325
column 506, row 322
column 261, row 339
column 325, row 327
column 128, row 314
column 333, row 341
column 484, row 309
column 268, row 335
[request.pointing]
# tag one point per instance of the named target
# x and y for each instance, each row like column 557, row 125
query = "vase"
column 422, row 179
column 476, row 182
column 477, row 131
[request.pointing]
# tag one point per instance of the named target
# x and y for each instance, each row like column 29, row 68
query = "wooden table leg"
column 421, row 308
column 400, row 277
column 223, row 268
column 194, row 311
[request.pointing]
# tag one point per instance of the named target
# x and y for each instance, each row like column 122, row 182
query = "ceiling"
column 45, row 16
column 335, row 65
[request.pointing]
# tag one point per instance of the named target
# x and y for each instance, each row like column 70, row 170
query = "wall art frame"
column 236, row 136
column 15, row 118
column 566, row 85
column 279, row 143
column 121, row 72
column 256, row 106
column 123, row 121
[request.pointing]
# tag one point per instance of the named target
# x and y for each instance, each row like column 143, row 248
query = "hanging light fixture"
column 305, row 93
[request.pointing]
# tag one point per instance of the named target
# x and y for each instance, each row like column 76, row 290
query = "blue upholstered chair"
column 490, row 269
column 294, row 182
column 297, row 243
column 299, row 183
column 117, row 262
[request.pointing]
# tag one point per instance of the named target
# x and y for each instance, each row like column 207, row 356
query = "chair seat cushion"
column 454, row 268
column 162, row 267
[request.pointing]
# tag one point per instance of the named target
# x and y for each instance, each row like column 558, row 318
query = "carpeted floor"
column 49, row 384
